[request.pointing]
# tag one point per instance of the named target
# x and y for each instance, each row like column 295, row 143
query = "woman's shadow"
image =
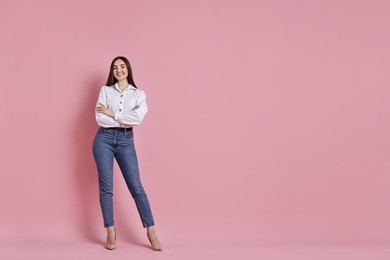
column 85, row 176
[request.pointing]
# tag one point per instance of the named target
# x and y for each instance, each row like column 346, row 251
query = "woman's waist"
column 117, row 129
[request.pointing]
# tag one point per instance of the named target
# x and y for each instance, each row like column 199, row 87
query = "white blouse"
column 121, row 103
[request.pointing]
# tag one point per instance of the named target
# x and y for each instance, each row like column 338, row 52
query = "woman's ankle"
column 111, row 229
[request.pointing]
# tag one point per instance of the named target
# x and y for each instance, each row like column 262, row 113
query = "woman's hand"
column 104, row 110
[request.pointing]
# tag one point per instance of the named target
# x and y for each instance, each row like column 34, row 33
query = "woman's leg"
column 103, row 152
column 127, row 160
column 126, row 157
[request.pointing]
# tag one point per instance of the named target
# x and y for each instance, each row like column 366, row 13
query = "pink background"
column 268, row 121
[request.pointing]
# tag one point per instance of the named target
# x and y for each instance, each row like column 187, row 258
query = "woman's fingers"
column 100, row 108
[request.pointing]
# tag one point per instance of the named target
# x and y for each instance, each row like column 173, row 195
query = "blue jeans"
column 107, row 145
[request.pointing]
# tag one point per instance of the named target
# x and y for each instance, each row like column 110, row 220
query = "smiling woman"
column 120, row 106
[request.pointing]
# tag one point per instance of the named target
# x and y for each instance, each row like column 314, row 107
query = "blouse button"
column 120, row 110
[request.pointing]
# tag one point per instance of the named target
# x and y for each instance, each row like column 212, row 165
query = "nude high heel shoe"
column 153, row 239
column 111, row 246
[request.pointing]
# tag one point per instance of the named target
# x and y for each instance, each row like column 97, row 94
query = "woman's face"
column 120, row 70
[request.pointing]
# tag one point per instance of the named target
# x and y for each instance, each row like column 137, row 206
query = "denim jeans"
column 107, row 145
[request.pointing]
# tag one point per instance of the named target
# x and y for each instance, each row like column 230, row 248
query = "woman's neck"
column 123, row 84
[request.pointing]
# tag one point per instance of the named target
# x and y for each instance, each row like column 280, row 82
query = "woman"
column 120, row 106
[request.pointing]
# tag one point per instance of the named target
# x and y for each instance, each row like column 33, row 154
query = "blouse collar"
column 129, row 87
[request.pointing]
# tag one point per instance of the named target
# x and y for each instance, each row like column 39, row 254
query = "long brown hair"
column 112, row 80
